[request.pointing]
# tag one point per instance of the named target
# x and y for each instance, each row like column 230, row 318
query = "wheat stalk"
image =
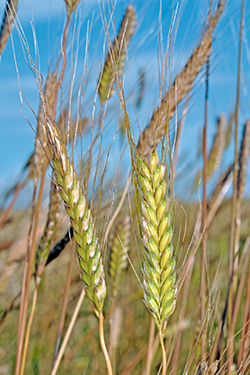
column 119, row 247
column 88, row 250
column 7, row 23
column 243, row 160
column 115, row 60
column 218, row 146
column 183, row 83
column 37, row 161
column 49, row 232
column 156, row 231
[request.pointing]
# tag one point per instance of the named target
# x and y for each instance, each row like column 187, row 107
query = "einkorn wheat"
column 88, row 250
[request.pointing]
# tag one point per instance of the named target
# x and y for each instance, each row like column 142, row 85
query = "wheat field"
column 125, row 233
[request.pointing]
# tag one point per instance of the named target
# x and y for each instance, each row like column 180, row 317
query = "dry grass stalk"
column 156, row 231
column 115, row 60
column 40, row 141
column 243, row 160
column 7, row 23
column 88, row 250
column 118, row 257
column 49, row 232
column 182, row 85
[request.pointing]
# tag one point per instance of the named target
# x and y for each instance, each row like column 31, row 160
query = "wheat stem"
column 27, row 335
column 103, row 345
column 164, row 354
column 68, row 333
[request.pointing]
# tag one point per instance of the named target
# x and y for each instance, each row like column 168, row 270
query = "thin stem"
column 150, row 346
column 164, row 354
column 243, row 338
column 103, row 345
column 68, row 333
column 26, row 342
column 233, row 250
column 64, row 307
column 11, row 204
column 178, row 137
column 111, row 221
column 111, row 317
column 203, row 223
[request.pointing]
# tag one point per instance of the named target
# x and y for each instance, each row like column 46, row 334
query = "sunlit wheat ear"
column 156, row 231
column 183, row 83
column 115, row 60
column 40, row 141
column 243, row 159
column 119, row 247
column 7, row 23
column 49, row 232
column 88, row 249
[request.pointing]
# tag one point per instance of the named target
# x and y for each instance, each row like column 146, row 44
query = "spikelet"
column 40, row 141
column 115, row 60
column 119, row 247
column 7, row 23
column 183, row 83
column 75, row 202
column 156, row 232
column 49, row 232
column 243, row 159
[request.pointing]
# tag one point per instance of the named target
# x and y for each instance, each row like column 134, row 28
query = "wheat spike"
column 119, row 247
column 115, row 60
column 88, row 249
column 218, row 146
column 243, row 159
column 49, row 232
column 40, row 141
column 7, row 23
column 156, row 231
column 183, row 83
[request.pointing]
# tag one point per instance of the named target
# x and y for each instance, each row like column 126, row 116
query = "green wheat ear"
column 156, row 231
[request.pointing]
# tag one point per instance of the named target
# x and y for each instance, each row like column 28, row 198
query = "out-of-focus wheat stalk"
column 182, row 85
column 7, row 23
column 115, row 60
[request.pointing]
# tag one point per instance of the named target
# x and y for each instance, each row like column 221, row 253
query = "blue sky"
column 16, row 135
